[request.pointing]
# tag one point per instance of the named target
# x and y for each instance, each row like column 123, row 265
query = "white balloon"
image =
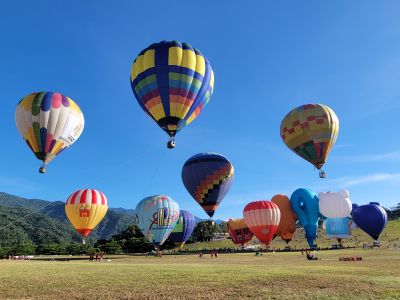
column 335, row 205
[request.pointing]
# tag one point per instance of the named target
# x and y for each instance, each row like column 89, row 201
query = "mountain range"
column 43, row 222
column 35, row 221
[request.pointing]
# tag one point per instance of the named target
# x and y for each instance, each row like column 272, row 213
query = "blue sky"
column 268, row 57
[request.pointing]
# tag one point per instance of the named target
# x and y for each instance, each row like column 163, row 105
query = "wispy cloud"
column 370, row 157
column 9, row 184
column 361, row 180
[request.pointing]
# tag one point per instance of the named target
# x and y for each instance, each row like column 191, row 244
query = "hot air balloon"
column 371, row 218
column 183, row 228
column 353, row 224
column 135, row 218
column 208, row 178
column 85, row 209
column 287, row 225
column 262, row 218
column 338, row 228
column 239, row 231
column 172, row 82
column 49, row 123
column 304, row 203
column 158, row 216
column 353, row 207
column 311, row 131
column 336, row 207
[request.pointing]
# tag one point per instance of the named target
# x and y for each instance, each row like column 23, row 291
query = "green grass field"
column 389, row 237
column 271, row 276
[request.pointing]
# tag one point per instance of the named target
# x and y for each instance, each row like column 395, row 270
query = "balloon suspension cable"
column 171, row 143
column 154, row 174
column 83, row 241
column 42, row 169
column 118, row 166
column 27, row 215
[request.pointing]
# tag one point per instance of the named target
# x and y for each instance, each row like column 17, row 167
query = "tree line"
column 130, row 240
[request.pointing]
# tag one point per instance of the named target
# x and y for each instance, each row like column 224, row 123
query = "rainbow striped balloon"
column 49, row 123
column 172, row 82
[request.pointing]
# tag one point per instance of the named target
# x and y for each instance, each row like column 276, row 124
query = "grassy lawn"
column 271, row 276
column 389, row 237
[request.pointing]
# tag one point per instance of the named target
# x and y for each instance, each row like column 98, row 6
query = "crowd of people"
column 213, row 253
column 96, row 256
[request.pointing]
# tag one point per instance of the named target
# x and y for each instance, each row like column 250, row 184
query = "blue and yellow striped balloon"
column 172, row 82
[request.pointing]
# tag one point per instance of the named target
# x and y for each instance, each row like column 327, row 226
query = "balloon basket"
column 42, row 169
column 171, row 144
column 83, row 241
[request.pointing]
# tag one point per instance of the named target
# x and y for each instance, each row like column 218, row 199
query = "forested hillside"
column 43, row 222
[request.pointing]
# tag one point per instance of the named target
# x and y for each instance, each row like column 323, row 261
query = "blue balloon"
column 371, row 218
column 338, row 228
column 208, row 178
column 183, row 228
column 305, row 204
column 157, row 217
column 353, row 207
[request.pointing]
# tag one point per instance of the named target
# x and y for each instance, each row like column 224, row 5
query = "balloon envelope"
column 371, row 218
column 310, row 131
column 183, row 228
column 172, row 82
column 304, row 203
column 239, row 231
column 338, row 228
column 158, row 216
column 49, row 123
column 335, row 205
column 85, row 209
column 262, row 218
column 208, row 177
column 287, row 224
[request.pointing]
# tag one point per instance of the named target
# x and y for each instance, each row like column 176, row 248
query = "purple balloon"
column 183, row 228
column 371, row 218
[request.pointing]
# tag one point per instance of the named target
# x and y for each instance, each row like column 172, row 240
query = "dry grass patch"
column 271, row 276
